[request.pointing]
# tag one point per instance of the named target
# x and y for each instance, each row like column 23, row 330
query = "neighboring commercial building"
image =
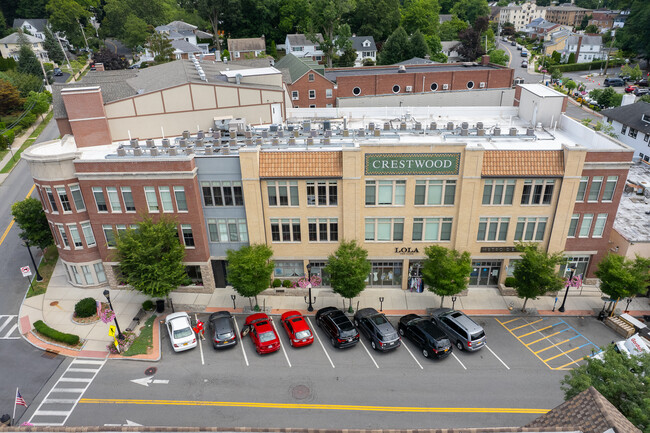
column 10, row 46
column 632, row 126
column 241, row 48
column 520, row 16
column 585, row 48
column 300, row 46
column 566, row 14
column 476, row 179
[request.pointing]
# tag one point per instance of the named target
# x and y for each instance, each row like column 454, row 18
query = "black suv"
column 336, row 324
column 426, row 335
column 377, row 329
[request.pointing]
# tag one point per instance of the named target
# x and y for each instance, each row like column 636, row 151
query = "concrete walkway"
column 56, row 307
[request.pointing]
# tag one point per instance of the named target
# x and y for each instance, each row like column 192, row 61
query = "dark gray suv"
column 465, row 333
column 377, row 329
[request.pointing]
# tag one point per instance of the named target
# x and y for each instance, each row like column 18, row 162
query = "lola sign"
column 412, row 163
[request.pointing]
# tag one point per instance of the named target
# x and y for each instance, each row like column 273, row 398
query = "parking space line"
column 538, row 330
column 505, row 323
column 563, row 353
column 569, row 363
column 368, row 352
column 495, row 355
column 241, row 340
column 198, row 340
column 413, row 356
column 544, row 338
column 461, row 364
column 523, row 326
column 553, row 345
column 281, row 345
column 320, row 341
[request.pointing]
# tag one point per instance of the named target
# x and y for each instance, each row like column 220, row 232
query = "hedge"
column 55, row 335
column 87, row 307
column 584, row 66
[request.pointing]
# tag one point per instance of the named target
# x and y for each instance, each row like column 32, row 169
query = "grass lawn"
column 45, row 269
column 7, row 168
column 144, row 341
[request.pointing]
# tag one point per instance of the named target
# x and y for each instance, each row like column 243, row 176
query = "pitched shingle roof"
column 631, row 115
column 184, row 46
column 14, row 39
column 301, row 164
column 299, row 39
column 523, row 163
column 38, row 23
column 588, row 412
column 357, row 43
column 297, row 67
column 247, row 44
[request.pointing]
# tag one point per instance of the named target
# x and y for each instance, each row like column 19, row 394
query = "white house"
column 632, row 125
column 183, row 37
column 585, row 48
column 10, row 46
column 33, row 26
column 450, row 49
column 365, row 48
column 300, row 46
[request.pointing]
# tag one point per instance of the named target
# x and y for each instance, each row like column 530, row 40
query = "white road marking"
column 145, row 381
column 241, row 341
column 7, row 334
column 462, row 365
column 495, row 355
column 281, row 345
column 368, row 352
column 412, row 356
column 320, row 341
column 198, row 340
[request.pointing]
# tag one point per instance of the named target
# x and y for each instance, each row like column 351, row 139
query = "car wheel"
column 425, row 353
column 459, row 345
column 333, row 341
column 373, row 345
column 401, row 331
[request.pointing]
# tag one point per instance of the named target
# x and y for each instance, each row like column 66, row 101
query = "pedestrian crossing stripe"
column 9, row 327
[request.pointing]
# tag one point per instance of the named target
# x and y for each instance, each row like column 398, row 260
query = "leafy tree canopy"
column 151, row 257
column 67, row 16
column 420, row 15
column 10, row 99
column 635, row 73
column 449, row 30
column 535, row 273
column 418, row 46
column 499, row 57
column 38, row 103
column 327, row 19
column 27, row 61
column 348, row 268
column 25, row 83
column 250, row 269
column 31, row 219
column 135, row 32
column 621, row 277
column 376, row 18
column 446, row 271
column 470, row 38
column 470, row 10
column 53, row 48
column 395, row 49
column 111, row 60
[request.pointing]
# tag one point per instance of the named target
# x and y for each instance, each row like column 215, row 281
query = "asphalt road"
column 503, row 384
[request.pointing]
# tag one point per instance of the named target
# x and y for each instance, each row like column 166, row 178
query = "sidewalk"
column 56, row 306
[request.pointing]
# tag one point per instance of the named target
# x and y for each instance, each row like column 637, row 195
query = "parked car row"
column 434, row 336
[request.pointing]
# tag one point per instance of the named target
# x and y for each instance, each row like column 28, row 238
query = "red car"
column 297, row 329
column 262, row 332
column 630, row 89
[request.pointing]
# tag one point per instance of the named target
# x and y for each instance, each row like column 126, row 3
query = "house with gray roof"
column 240, row 48
column 35, row 26
column 10, row 46
column 586, row 48
column 301, row 46
column 632, row 125
column 365, row 47
column 184, row 39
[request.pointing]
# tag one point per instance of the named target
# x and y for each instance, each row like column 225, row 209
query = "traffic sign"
column 26, row 271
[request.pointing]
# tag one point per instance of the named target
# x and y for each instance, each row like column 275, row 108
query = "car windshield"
column 182, row 333
column 267, row 336
column 478, row 335
column 378, row 319
column 224, row 335
column 303, row 334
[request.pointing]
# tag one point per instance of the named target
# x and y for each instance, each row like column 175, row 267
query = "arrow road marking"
column 145, row 381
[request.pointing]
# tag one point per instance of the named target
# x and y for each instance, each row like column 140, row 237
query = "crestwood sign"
column 412, row 163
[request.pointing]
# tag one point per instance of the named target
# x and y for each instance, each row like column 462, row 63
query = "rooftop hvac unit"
column 273, row 128
column 165, row 142
column 513, row 132
column 189, row 151
column 239, row 124
column 134, row 143
column 327, row 125
column 225, row 150
column 232, row 142
column 464, row 132
column 232, row 132
column 216, row 135
column 296, row 133
column 265, row 133
column 371, row 126
column 281, row 133
column 186, row 134
column 275, row 141
column 290, row 128
column 208, row 151
column 121, row 151
column 409, row 88
column 386, row 126
column 402, row 126
column 346, row 132
column 401, row 69
column 326, row 141
column 173, row 151
column 198, row 143
column 292, row 141
column 137, row 152
column 306, row 125
column 496, row 132
column 313, row 133
column 248, row 134
column 328, row 133
column 361, row 132
column 479, row 125
column 182, row 142
column 153, row 151
column 258, row 141
column 464, row 125
column 310, row 141
column 480, row 132
column 418, row 126
column 450, row 126
column 377, row 132
column 433, row 126
column 530, row 131
column 200, row 134
column 150, row 143
column 249, row 141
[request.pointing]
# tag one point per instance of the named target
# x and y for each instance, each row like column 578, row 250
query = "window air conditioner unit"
column 409, row 88
column 482, row 85
column 445, row 87
column 294, row 98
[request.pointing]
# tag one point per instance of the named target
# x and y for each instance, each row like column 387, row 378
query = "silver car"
column 465, row 333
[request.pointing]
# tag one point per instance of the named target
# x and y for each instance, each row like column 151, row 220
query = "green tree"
column 535, row 273
column 499, row 57
column 418, row 46
column 376, row 18
column 471, row 46
column 508, row 29
column 294, row 16
column 110, row 59
column 591, row 28
column 570, row 85
column 25, row 83
column 31, row 219
column 635, row 35
column 572, row 58
column 348, row 57
column 470, row 10
column 605, row 128
column 3, row 26
column 449, row 30
column 160, row 46
column 623, row 278
column 420, row 15
column 54, row 51
column 635, row 73
column 68, row 15
column 327, row 19
column 348, row 268
column 557, row 57
column 272, row 50
column 10, row 99
column 556, row 74
column 151, row 257
column 624, row 381
column 135, row 32
column 38, row 102
column 395, row 49
column 250, row 269
column 609, row 98
column 27, row 61
column 30, row 9
column 644, row 98
column 446, row 271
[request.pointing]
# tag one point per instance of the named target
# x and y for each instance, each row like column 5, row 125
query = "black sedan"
column 337, row 326
column 377, row 329
column 427, row 336
column 222, row 330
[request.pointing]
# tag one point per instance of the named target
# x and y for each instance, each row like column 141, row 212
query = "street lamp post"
column 38, row 276
column 573, row 271
column 107, row 294
column 310, row 307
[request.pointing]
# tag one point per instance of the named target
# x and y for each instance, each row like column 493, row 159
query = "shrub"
column 148, row 305
column 510, row 282
column 287, row 283
column 6, row 139
column 27, row 120
column 277, row 283
column 55, row 335
column 87, row 307
column 585, row 66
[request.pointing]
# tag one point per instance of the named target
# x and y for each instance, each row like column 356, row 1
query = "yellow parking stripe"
column 543, row 338
column 563, row 353
column 554, row 345
column 538, row 330
column 569, row 363
column 317, row 406
column 527, row 324
column 505, row 323
column 531, row 350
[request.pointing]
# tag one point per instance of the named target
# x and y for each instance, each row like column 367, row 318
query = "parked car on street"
column 297, row 329
column 222, row 330
column 337, row 326
column 643, row 82
column 465, row 333
column 262, row 333
column 58, row 72
column 181, row 334
column 613, row 82
column 630, row 88
column 431, row 340
column 638, row 91
column 377, row 329
column 513, row 43
column 524, row 64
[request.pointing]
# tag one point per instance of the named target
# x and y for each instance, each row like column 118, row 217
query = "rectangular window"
column 493, row 229
column 599, row 225
column 328, row 94
column 384, row 229
column 88, row 276
column 646, row 137
column 323, row 229
column 573, row 225
column 322, row 193
column 582, row 188
column 594, row 190
column 121, row 229
column 286, row 268
column 127, row 196
column 188, row 236
column 207, row 194
column 114, row 199
column 283, row 193
column 152, row 199
column 63, row 197
column 77, row 198
column 64, row 235
column 537, row 191
column 312, row 94
column 109, row 235
column 311, row 77
column 88, row 234
column 76, row 238
column 530, row 228
column 75, row 273
column 632, row 133
column 295, row 95
column 498, row 191
column 50, row 198
column 166, row 199
column 610, row 187
column 435, row 192
column 230, row 230
column 585, row 228
column 100, row 200
column 432, row 229
column 623, row 129
column 99, row 271
column 385, row 192
column 285, row 230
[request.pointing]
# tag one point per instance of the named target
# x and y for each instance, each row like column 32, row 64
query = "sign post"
column 27, row 273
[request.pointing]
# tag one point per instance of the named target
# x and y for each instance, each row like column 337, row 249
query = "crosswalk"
column 59, row 403
column 9, row 327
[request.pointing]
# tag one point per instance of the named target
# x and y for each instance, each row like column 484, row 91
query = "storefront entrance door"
column 485, row 273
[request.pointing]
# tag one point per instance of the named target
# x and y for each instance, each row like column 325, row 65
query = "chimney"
column 485, row 60
column 427, row 57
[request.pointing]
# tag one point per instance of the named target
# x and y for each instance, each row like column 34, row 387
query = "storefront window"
column 317, row 268
column 579, row 262
column 385, row 274
column 289, row 268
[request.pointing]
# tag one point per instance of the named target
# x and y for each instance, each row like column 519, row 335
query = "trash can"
column 160, row 305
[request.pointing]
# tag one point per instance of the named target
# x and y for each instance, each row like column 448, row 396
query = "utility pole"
column 611, row 43
column 84, row 35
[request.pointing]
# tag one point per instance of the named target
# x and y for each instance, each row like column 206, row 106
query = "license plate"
column 184, row 344
column 479, row 343
column 349, row 339
column 303, row 340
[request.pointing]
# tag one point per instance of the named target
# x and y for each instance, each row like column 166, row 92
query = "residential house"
column 556, row 39
column 10, row 46
column 300, row 46
column 539, row 28
column 34, row 26
column 519, row 16
column 365, row 48
column 450, row 49
column 632, row 125
column 251, row 47
column 604, row 20
column 184, row 39
column 586, row 48
column 566, row 14
column 305, row 82
column 619, row 21
column 444, row 18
